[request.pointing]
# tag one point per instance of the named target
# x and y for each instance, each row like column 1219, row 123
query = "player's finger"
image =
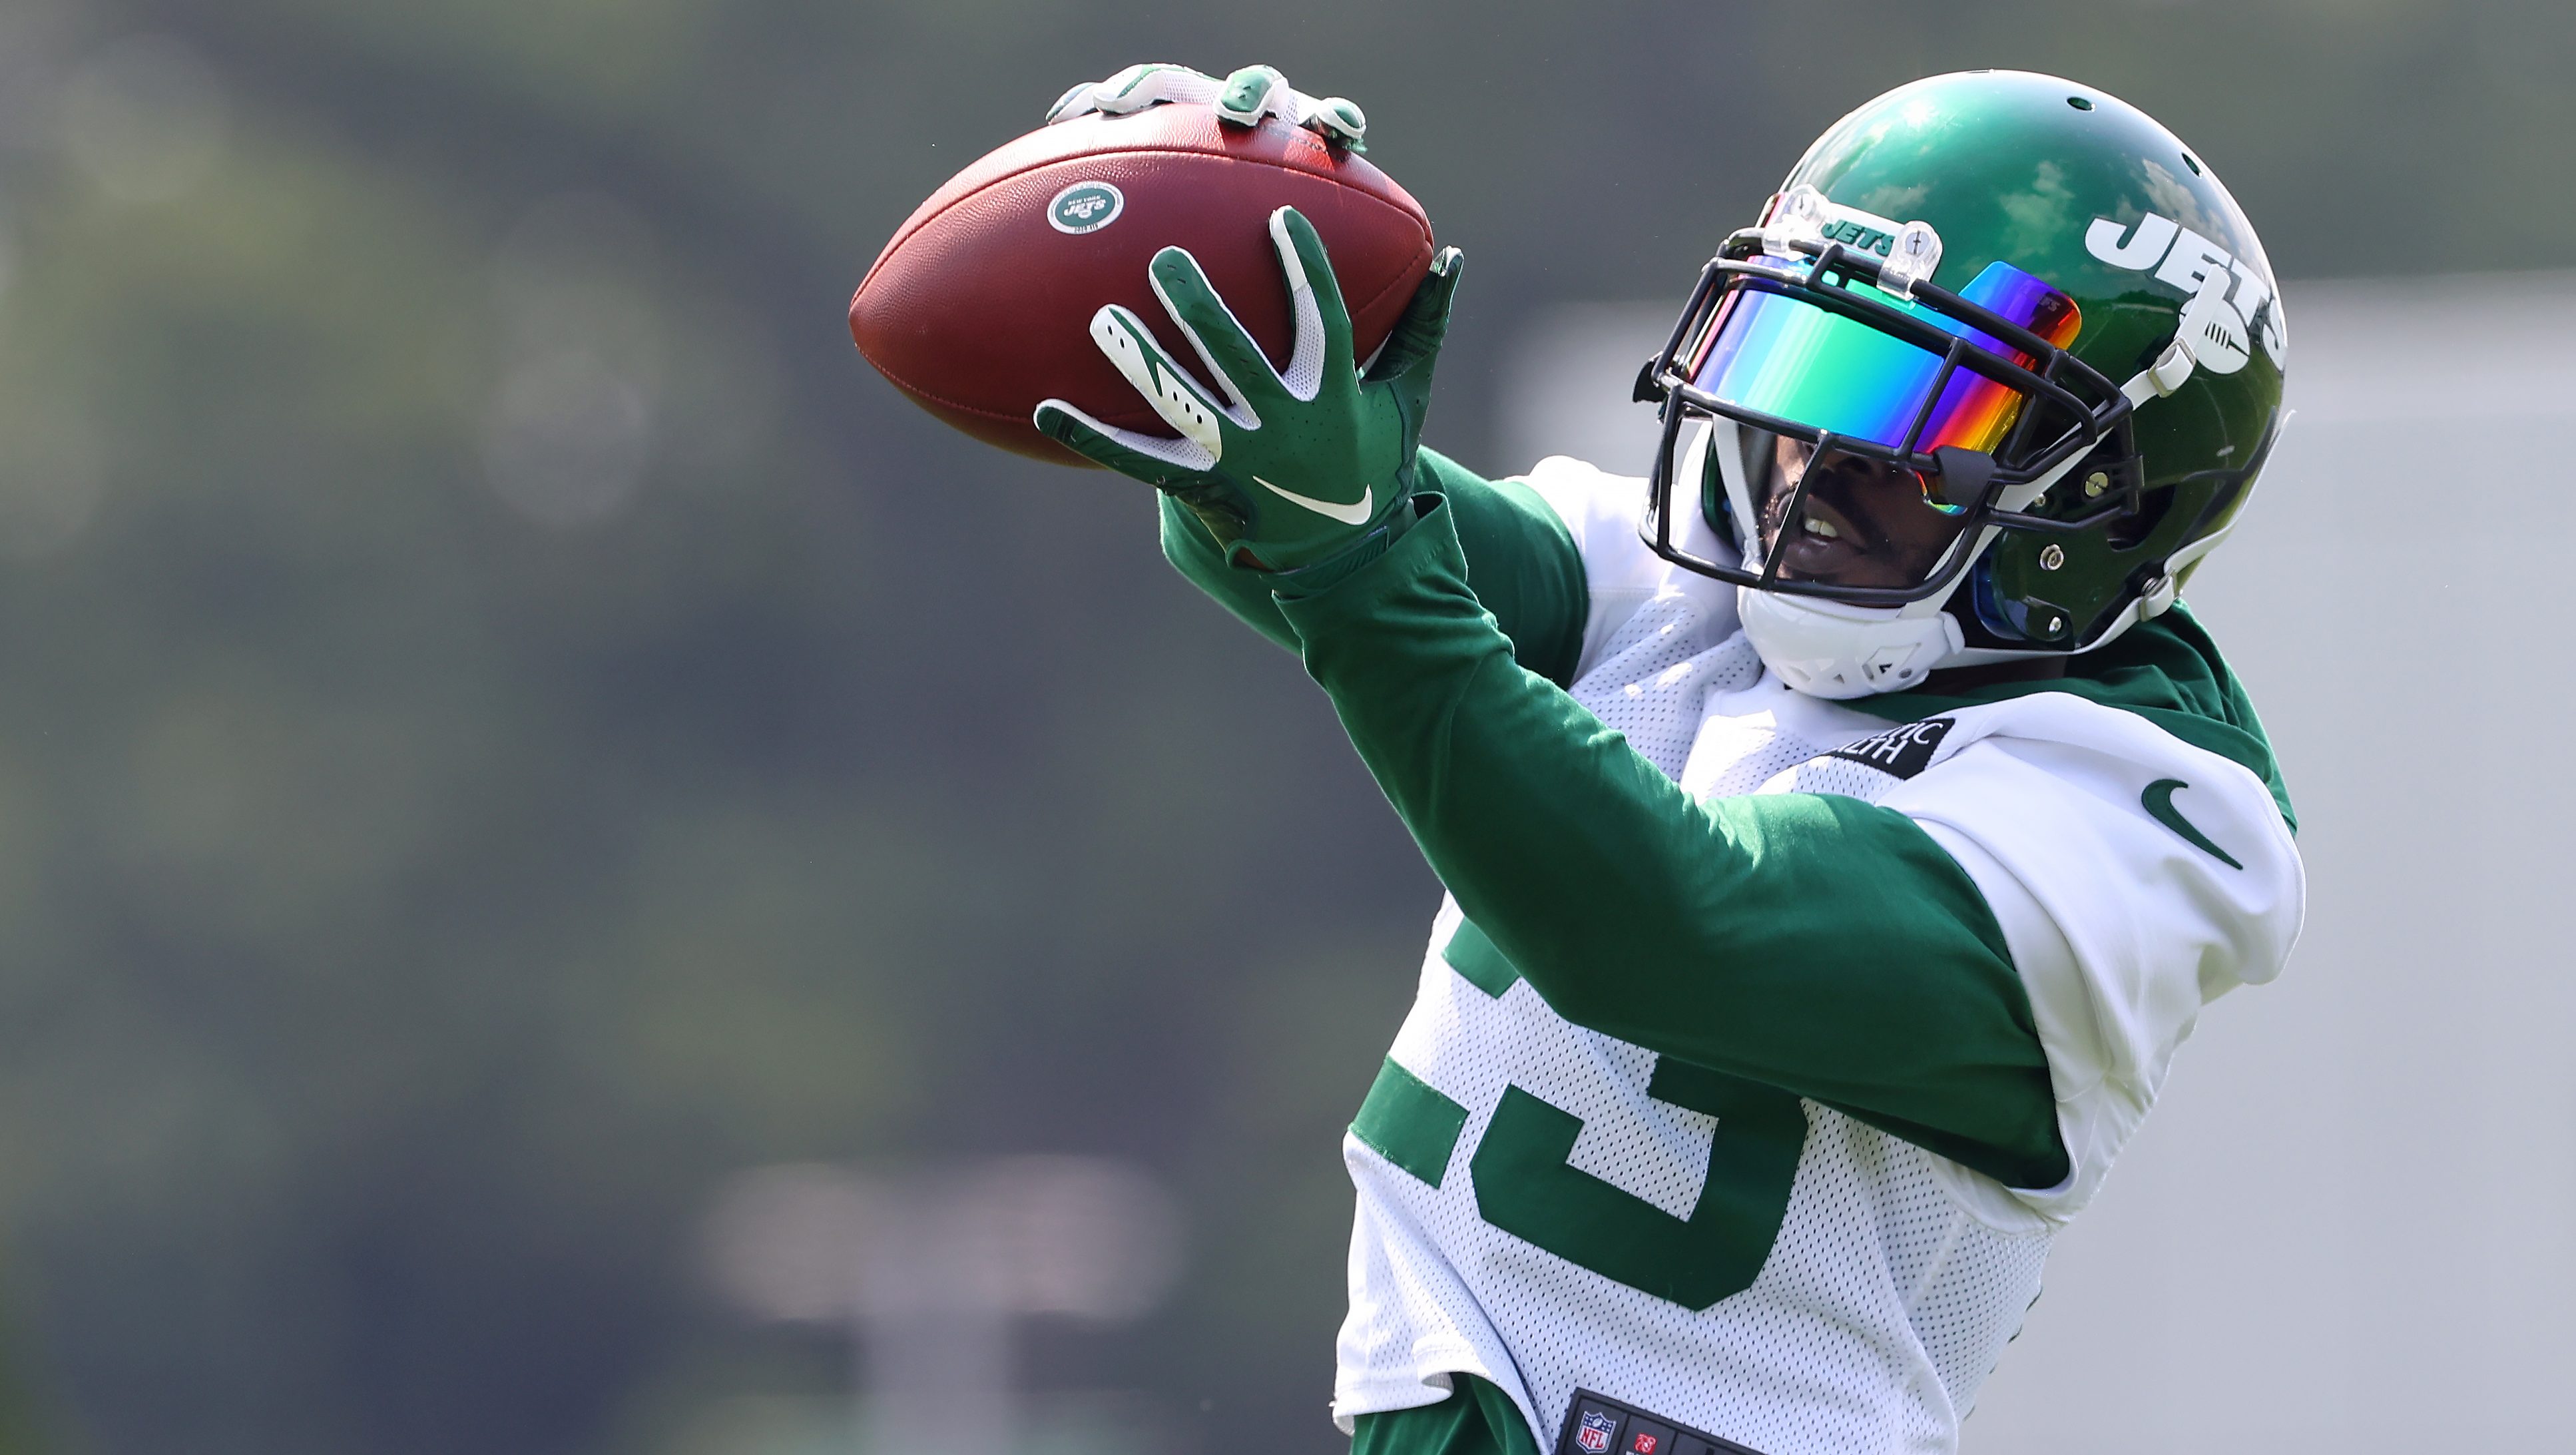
column 1232, row 358
column 1152, row 84
column 1323, row 350
column 1158, row 462
column 1183, row 405
column 1417, row 335
column 1252, row 93
column 1076, row 101
column 1339, row 119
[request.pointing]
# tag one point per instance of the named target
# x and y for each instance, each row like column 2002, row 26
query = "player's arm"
column 1524, row 565
column 1819, row 944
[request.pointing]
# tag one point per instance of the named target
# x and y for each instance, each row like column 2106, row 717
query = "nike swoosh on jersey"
column 1347, row 514
column 2158, row 802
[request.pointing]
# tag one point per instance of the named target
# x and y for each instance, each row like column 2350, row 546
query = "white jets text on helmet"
column 2223, row 288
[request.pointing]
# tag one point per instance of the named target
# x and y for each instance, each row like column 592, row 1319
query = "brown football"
column 981, row 305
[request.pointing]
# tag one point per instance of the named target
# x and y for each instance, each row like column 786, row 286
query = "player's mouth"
column 1824, row 541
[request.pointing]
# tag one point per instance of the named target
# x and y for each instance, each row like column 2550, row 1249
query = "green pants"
column 1477, row 1420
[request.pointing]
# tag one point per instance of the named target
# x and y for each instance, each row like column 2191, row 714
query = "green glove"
column 1287, row 472
column 1242, row 98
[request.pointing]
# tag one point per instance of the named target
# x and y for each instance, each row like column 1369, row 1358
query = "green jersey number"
column 1525, row 1186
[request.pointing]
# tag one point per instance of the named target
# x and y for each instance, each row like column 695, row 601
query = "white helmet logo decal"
column 2214, row 329
column 2230, row 302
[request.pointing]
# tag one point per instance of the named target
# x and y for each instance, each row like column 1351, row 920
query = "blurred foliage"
column 506, row 720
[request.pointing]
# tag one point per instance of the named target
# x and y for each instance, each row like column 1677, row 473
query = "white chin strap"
column 1827, row 649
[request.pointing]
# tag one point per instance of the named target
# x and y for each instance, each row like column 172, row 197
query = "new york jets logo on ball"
column 1086, row 207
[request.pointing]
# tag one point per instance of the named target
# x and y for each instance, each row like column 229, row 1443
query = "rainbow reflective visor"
column 1773, row 354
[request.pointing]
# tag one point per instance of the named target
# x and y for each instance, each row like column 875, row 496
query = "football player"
column 1842, row 826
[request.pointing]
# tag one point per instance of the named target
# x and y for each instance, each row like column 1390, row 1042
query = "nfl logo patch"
column 1595, row 1435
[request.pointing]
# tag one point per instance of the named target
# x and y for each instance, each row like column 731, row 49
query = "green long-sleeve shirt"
column 1527, row 571
column 1813, row 943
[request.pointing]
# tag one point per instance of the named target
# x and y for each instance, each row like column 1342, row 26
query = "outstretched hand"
column 1284, row 470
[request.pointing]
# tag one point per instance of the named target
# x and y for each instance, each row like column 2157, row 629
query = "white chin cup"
column 1827, row 649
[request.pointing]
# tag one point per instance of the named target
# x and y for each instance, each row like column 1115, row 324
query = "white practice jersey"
column 1895, row 1276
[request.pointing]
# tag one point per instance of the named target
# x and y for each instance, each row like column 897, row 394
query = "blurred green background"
column 505, row 721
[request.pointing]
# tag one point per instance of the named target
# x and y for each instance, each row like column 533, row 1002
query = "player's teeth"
column 1817, row 527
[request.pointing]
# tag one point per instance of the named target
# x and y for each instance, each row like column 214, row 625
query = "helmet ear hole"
column 2112, row 474
column 2131, row 527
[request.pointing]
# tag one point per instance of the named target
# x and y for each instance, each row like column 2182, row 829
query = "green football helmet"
column 2027, row 307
